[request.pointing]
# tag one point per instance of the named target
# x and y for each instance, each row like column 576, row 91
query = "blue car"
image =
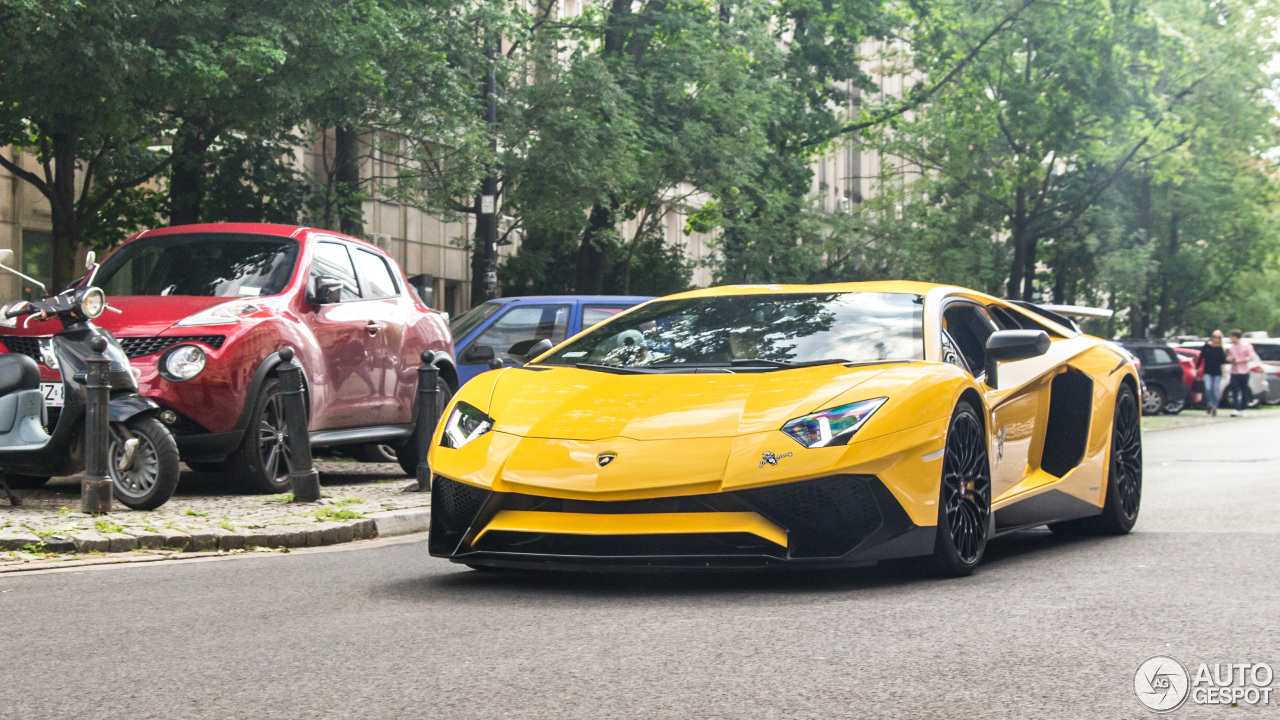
column 507, row 328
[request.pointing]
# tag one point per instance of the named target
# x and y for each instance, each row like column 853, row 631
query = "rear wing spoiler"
column 1063, row 314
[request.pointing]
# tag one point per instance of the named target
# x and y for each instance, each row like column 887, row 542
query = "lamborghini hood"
column 573, row 404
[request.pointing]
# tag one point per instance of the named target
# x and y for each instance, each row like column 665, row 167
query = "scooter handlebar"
column 19, row 310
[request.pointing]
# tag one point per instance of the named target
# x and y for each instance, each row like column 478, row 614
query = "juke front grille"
column 134, row 347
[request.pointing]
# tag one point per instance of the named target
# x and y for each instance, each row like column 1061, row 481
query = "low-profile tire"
column 25, row 482
column 206, row 467
column 1173, row 407
column 964, row 502
column 261, row 464
column 408, row 454
column 1153, row 400
column 151, row 478
column 1124, row 476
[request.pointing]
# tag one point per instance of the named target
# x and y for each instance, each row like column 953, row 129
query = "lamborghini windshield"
column 762, row 331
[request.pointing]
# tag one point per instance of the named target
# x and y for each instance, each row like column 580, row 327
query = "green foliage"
column 337, row 514
column 104, row 525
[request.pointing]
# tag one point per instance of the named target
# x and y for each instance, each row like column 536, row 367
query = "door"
column 348, row 377
column 1014, row 409
column 516, row 330
column 387, row 319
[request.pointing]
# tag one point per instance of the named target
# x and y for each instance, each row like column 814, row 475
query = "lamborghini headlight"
column 833, row 426
column 465, row 424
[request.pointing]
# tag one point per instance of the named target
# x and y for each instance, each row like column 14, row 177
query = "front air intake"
column 454, row 506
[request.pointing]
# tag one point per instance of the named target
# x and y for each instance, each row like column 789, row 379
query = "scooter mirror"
column 6, row 256
column 88, row 259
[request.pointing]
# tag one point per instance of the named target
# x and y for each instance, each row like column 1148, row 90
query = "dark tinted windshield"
column 793, row 328
column 207, row 265
column 1267, row 353
column 471, row 319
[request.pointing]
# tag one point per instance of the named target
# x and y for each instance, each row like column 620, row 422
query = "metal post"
column 428, row 415
column 303, row 478
column 95, row 489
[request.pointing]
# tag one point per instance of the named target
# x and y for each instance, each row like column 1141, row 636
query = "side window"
column 1162, row 356
column 593, row 315
column 969, row 328
column 949, row 352
column 521, row 327
column 378, row 281
column 333, row 260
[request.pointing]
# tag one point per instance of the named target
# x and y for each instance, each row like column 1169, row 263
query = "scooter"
column 142, row 454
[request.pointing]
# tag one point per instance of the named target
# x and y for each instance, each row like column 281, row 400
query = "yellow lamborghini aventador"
column 772, row 425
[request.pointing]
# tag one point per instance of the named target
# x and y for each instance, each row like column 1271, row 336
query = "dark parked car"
column 1166, row 388
column 508, row 327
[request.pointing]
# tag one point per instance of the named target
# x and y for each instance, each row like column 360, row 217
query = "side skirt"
column 1042, row 509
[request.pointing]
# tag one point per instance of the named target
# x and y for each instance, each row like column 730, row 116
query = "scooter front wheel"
column 145, row 477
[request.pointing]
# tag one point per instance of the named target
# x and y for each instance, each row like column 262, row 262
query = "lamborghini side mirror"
column 1005, row 345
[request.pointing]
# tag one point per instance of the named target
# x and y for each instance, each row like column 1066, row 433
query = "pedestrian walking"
column 1212, row 357
column 1241, row 355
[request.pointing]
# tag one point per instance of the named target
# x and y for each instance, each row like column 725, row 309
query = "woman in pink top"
column 1241, row 355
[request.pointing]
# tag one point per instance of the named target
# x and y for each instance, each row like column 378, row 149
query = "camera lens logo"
column 1162, row 683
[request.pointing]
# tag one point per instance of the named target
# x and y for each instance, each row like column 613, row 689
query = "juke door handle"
column 372, row 328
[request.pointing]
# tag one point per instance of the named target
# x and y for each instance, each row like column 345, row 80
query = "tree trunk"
column 484, row 256
column 186, row 183
column 346, row 186
column 66, row 226
column 1166, row 283
column 589, row 276
column 1018, row 232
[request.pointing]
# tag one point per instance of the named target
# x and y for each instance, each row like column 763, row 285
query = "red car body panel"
column 360, row 357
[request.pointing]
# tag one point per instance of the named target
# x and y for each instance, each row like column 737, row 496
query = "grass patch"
column 337, row 514
column 104, row 525
column 227, row 526
column 193, row 513
column 283, row 498
column 64, row 510
column 1193, row 418
column 348, row 501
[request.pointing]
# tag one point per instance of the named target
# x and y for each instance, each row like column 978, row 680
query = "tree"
column 77, row 91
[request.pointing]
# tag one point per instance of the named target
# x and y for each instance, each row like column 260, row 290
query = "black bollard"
column 428, row 415
column 303, row 478
column 95, row 488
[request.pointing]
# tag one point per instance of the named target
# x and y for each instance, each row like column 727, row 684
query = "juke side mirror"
column 1013, row 345
column 325, row 290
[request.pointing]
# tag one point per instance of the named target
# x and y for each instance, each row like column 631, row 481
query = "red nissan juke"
column 205, row 310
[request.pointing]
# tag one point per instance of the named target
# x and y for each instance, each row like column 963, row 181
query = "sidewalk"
column 359, row 501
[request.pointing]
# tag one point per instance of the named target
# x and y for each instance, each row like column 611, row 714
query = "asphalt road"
column 1047, row 628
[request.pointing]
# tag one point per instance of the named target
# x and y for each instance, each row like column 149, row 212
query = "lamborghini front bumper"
column 835, row 521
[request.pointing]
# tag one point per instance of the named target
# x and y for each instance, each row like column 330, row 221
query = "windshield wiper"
column 785, row 363
column 615, row 369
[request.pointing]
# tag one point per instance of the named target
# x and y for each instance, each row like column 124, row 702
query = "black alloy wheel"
column 262, row 463
column 1126, row 456
column 964, row 512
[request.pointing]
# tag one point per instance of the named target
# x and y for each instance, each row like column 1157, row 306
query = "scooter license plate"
column 52, row 394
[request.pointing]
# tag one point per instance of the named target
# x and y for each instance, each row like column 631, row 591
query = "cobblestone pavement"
column 205, row 514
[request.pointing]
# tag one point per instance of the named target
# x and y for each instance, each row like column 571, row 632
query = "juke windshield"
column 765, row 331
column 206, row 264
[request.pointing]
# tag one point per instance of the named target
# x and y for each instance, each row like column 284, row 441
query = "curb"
column 213, row 540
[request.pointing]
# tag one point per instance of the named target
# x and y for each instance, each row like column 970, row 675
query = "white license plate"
column 52, row 394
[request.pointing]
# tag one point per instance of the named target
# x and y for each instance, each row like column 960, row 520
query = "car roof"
column 885, row 286
column 292, row 231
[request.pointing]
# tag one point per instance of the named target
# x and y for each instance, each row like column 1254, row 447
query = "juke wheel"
column 1124, row 479
column 407, row 454
column 964, row 505
column 262, row 463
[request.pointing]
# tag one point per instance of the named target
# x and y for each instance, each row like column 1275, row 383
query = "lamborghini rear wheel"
column 964, row 504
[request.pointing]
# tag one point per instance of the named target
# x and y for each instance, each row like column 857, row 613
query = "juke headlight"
column 184, row 362
column 466, row 423
column 833, row 426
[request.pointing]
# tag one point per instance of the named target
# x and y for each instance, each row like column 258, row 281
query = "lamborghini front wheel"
column 964, row 504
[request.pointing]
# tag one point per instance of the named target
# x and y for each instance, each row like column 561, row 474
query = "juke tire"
column 245, row 463
column 407, row 454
